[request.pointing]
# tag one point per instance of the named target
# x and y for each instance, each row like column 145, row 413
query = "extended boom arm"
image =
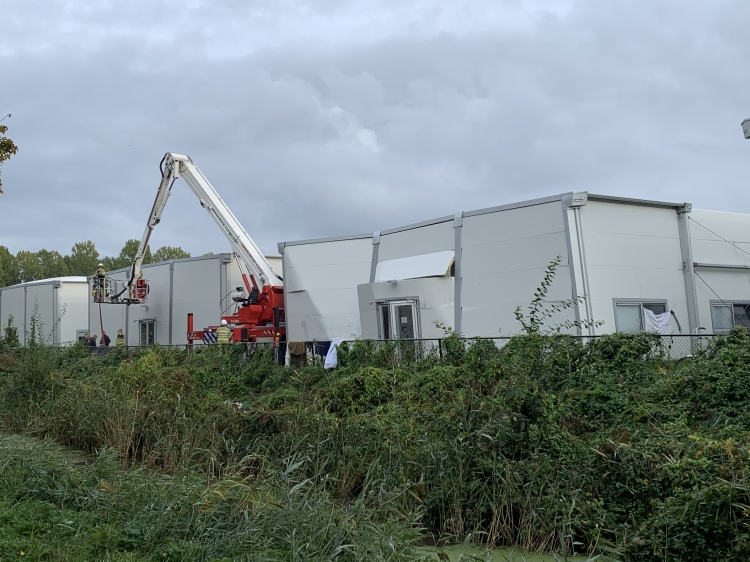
column 172, row 167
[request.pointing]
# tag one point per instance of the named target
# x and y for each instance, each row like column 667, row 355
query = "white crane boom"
column 172, row 167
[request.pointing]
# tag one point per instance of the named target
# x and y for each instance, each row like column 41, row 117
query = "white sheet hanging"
column 332, row 358
column 659, row 323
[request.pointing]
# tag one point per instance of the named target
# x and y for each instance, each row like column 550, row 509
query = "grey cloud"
column 340, row 127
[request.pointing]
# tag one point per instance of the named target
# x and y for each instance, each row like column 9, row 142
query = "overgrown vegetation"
column 606, row 448
column 538, row 319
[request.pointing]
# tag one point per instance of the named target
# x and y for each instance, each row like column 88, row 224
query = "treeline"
column 82, row 260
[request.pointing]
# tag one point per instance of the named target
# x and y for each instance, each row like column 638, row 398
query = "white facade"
column 201, row 286
column 324, row 277
column 57, row 309
column 633, row 261
column 721, row 255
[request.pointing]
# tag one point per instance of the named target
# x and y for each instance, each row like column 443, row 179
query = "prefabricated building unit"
column 56, row 309
column 470, row 271
column 200, row 285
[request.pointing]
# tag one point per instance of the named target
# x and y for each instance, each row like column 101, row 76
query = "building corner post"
column 458, row 223
column 571, row 207
column 688, row 270
column 375, row 251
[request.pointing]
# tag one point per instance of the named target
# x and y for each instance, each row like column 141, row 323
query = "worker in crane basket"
column 99, row 281
column 223, row 333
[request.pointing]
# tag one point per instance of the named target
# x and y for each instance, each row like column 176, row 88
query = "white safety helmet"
column 101, row 265
column 223, row 322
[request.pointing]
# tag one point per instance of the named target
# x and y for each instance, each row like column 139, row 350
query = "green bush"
column 548, row 443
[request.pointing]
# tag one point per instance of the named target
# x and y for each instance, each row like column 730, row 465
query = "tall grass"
column 55, row 506
column 547, row 444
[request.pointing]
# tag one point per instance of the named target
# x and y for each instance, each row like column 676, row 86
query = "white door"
column 398, row 320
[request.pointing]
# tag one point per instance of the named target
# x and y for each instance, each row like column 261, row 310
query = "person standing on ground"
column 223, row 333
column 120, row 339
column 105, row 341
column 92, row 341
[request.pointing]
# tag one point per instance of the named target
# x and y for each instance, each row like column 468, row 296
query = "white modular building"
column 636, row 265
column 54, row 311
column 201, row 285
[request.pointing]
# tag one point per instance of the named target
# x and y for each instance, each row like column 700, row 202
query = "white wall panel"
column 417, row 241
column 13, row 309
column 721, row 239
column 73, row 304
column 320, row 281
column 51, row 306
column 513, row 255
column 354, row 251
column 720, row 252
column 307, row 323
column 500, row 321
column 632, row 252
column 513, row 223
column 197, row 290
column 617, row 218
column 512, row 287
column 731, row 226
column 39, row 305
column 504, row 257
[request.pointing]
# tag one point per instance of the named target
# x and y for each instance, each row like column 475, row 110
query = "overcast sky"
column 332, row 117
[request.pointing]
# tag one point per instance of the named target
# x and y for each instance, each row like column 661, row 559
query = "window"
column 148, row 332
column 629, row 314
column 726, row 316
column 385, row 321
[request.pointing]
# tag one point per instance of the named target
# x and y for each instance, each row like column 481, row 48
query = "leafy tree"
column 29, row 267
column 170, row 253
column 8, row 269
column 83, row 258
column 53, row 263
column 7, row 147
column 127, row 255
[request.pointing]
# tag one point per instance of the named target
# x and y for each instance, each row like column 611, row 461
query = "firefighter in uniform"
column 99, row 281
column 223, row 333
column 120, row 339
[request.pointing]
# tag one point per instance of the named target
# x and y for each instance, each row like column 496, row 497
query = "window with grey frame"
column 630, row 316
column 147, row 332
column 728, row 315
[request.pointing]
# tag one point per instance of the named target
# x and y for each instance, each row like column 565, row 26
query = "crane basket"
column 114, row 291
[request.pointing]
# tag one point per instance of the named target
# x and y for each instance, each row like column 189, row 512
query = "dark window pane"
column 656, row 308
column 405, row 321
column 742, row 315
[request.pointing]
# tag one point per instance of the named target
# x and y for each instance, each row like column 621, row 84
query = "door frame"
column 414, row 301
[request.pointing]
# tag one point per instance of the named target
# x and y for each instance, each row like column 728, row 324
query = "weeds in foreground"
column 607, row 449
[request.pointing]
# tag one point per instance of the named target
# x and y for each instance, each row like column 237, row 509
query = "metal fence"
column 673, row 347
